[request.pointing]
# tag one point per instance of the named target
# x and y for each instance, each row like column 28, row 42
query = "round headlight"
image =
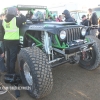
column 83, row 32
column 62, row 35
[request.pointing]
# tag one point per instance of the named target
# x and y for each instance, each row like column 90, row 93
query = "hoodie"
column 68, row 17
column 12, row 11
column 19, row 20
column 86, row 22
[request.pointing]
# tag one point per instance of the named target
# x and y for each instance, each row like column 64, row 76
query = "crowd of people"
column 65, row 17
column 90, row 20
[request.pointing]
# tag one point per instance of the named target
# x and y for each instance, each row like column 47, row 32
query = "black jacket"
column 19, row 21
column 68, row 16
column 86, row 22
column 1, row 31
column 1, row 51
column 94, row 19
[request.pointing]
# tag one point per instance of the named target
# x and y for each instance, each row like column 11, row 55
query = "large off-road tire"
column 93, row 61
column 35, row 71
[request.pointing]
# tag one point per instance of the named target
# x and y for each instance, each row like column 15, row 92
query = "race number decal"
column 21, row 39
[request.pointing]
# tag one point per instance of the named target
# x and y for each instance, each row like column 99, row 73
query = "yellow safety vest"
column 11, row 30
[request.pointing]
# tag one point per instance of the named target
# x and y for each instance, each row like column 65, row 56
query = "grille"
column 73, row 34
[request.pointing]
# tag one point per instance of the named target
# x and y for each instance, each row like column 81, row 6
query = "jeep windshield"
column 27, row 9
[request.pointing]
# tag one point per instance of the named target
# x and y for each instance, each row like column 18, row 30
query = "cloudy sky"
column 49, row 3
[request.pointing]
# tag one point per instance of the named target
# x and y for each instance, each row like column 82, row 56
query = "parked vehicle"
column 77, row 15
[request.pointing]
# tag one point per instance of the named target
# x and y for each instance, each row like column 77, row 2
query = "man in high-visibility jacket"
column 11, row 27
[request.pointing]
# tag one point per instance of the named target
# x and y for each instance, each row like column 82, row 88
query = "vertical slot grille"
column 73, row 34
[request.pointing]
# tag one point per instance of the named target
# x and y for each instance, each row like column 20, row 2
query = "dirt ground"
column 70, row 83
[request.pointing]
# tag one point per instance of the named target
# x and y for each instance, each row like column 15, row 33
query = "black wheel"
column 35, row 71
column 92, row 57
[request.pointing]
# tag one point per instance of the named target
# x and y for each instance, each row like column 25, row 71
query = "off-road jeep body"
column 45, row 45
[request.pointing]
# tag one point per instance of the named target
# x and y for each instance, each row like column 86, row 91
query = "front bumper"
column 78, row 48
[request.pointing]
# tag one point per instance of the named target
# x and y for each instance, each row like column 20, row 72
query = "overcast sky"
column 48, row 3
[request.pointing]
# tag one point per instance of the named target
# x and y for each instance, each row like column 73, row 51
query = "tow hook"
column 83, row 50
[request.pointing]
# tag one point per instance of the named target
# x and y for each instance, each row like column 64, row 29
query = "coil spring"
column 42, row 40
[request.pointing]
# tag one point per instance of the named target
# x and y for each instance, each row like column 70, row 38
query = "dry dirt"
column 70, row 83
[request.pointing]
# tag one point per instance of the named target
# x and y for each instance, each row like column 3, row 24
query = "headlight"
column 83, row 32
column 62, row 35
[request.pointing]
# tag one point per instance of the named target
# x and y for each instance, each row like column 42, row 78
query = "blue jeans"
column 2, row 65
column 2, row 45
column 12, row 50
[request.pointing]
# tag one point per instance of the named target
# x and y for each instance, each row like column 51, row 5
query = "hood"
column 12, row 11
column 66, row 13
column 9, row 18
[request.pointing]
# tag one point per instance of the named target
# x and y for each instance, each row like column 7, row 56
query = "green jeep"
column 46, row 44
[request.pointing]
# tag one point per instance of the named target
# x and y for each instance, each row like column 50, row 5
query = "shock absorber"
column 47, row 46
column 42, row 40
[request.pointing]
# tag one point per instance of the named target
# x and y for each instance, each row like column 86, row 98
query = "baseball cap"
column 83, row 16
